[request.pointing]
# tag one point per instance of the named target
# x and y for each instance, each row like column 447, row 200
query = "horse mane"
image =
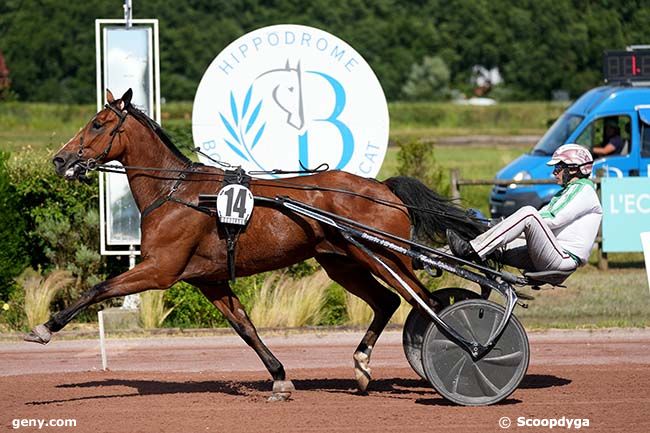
column 160, row 132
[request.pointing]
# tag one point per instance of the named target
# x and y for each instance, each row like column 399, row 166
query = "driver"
column 560, row 236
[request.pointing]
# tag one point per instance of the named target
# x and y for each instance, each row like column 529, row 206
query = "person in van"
column 612, row 143
column 559, row 237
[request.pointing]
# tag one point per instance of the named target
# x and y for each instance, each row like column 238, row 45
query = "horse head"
column 96, row 142
column 287, row 94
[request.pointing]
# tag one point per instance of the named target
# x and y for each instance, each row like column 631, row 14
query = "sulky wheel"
column 416, row 326
column 452, row 371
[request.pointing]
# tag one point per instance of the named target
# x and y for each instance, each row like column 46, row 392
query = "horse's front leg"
column 222, row 296
column 144, row 276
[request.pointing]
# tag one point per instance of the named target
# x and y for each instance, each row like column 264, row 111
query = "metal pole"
column 128, row 13
column 131, row 257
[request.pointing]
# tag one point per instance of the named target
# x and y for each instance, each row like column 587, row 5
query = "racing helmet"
column 573, row 155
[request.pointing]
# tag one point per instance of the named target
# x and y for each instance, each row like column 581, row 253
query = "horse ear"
column 125, row 100
column 109, row 96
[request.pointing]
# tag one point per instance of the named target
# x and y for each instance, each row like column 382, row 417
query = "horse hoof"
column 40, row 334
column 362, row 372
column 282, row 390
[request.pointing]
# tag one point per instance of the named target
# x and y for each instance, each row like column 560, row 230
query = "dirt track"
column 217, row 384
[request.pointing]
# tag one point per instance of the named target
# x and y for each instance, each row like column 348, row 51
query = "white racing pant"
column 537, row 251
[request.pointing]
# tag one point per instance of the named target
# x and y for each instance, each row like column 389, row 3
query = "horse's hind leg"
column 222, row 296
column 360, row 282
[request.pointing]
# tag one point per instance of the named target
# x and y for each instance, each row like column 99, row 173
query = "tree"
column 428, row 80
column 538, row 45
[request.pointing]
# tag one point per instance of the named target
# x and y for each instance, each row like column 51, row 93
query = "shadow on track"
column 392, row 387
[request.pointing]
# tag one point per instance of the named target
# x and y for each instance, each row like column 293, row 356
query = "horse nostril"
column 58, row 162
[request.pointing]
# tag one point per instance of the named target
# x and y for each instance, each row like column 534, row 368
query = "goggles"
column 561, row 166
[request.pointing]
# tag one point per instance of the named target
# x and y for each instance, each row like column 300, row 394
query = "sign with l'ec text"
column 626, row 212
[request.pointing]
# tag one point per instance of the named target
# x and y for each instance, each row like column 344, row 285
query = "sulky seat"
column 554, row 278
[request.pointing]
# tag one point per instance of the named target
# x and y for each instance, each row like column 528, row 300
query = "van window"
column 611, row 129
column 645, row 144
column 557, row 134
column 644, row 115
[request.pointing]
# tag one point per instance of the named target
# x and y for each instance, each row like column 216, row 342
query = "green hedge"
column 14, row 252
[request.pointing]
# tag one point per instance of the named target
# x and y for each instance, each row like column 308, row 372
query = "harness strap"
column 153, row 206
column 170, row 196
column 232, row 231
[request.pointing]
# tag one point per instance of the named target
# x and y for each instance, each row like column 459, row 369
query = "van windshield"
column 557, row 134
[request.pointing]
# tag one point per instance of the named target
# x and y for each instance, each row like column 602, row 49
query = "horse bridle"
column 91, row 163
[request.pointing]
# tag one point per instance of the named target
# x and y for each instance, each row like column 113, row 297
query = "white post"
column 645, row 242
column 102, row 346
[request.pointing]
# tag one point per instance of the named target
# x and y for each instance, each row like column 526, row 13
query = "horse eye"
column 96, row 124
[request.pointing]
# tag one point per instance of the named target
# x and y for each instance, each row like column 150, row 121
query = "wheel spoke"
column 443, row 344
column 485, row 384
column 495, row 324
column 509, row 360
column 468, row 324
column 455, row 372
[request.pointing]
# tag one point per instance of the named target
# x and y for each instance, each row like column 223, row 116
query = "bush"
column 416, row 159
column 13, row 236
column 191, row 309
column 12, row 310
column 61, row 221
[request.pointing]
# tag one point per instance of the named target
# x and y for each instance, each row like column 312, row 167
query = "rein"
column 275, row 183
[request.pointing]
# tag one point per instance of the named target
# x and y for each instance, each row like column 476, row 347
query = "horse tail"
column 431, row 215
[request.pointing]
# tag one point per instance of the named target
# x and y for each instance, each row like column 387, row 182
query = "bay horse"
column 180, row 243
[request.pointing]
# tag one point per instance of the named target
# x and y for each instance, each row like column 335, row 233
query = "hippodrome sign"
column 287, row 95
column 626, row 212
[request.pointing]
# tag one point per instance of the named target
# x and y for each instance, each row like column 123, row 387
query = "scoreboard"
column 627, row 65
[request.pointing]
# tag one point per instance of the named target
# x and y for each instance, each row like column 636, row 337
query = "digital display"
column 627, row 65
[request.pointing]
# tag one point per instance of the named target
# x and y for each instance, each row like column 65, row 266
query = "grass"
column 592, row 298
column 152, row 309
column 474, row 162
column 283, row 302
column 42, row 125
column 39, row 125
column 360, row 314
column 40, row 292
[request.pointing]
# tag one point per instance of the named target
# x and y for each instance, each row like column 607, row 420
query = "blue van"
column 582, row 123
